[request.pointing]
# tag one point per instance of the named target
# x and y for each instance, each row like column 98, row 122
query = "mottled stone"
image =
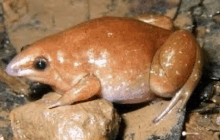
column 199, row 123
column 184, row 21
column 7, row 102
column 208, row 20
column 187, row 5
column 100, row 8
column 216, row 18
column 164, row 7
column 211, row 43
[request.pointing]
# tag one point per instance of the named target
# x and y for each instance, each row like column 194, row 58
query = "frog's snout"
column 12, row 70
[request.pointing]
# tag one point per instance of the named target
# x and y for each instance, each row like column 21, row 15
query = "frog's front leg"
column 87, row 87
column 176, row 69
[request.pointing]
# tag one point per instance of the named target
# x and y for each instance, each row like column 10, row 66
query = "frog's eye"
column 41, row 63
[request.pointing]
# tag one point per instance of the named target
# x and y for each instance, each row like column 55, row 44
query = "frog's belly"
column 125, row 92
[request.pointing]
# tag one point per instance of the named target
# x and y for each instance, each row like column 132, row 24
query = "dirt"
column 139, row 122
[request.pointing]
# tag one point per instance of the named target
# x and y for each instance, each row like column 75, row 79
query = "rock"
column 17, row 85
column 184, row 18
column 8, row 99
column 88, row 120
column 7, row 102
column 212, row 41
column 165, row 7
column 206, row 16
column 203, row 124
column 100, row 8
column 216, row 18
column 187, row 5
column 184, row 21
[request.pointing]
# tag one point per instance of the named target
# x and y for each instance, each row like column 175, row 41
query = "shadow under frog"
column 123, row 60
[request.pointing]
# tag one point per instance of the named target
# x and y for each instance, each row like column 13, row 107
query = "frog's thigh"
column 173, row 63
column 157, row 20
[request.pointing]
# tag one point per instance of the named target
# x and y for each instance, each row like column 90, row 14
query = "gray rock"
column 7, row 102
column 211, row 41
column 163, row 7
column 187, row 5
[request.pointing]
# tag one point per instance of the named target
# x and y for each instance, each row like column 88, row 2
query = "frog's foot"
column 176, row 67
column 88, row 87
column 179, row 95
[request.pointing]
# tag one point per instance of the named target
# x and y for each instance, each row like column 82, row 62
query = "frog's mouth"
column 20, row 66
column 48, row 76
column 14, row 70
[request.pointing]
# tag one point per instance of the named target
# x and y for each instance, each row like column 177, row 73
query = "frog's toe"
column 172, row 103
column 56, row 104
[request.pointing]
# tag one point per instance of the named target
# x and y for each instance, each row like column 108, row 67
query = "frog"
column 123, row 60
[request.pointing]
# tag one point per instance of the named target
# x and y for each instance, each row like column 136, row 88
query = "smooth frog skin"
column 120, row 59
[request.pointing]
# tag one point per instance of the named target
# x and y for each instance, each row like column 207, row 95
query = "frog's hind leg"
column 176, row 68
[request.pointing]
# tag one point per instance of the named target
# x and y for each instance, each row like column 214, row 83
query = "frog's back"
column 123, row 41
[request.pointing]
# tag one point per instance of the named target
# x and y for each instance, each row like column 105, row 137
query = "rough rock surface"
column 205, row 17
column 7, row 102
column 91, row 120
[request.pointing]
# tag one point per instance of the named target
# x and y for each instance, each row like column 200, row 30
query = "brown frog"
column 122, row 60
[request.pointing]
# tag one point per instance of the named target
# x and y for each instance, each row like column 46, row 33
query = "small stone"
column 198, row 11
column 216, row 18
column 1, row 137
column 184, row 21
column 200, row 31
column 216, row 136
column 203, row 121
column 218, row 120
column 186, row 5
